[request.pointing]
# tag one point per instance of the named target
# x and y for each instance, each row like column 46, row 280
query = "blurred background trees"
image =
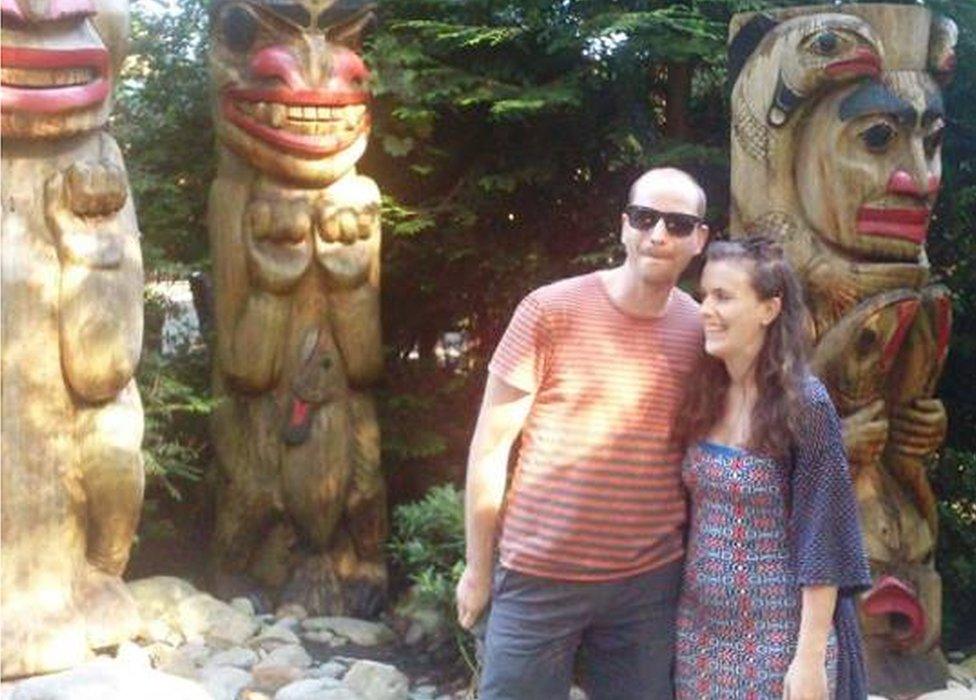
column 505, row 135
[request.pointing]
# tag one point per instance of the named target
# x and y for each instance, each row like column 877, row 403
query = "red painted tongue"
column 891, row 596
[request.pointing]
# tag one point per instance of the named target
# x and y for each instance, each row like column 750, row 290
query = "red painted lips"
column 49, row 81
column 909, row 224
column 891, row 596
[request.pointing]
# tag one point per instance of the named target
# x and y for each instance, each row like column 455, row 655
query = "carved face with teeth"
column 59, row 57
column 291, row 86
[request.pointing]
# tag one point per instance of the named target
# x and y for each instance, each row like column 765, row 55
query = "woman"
column 774, row 551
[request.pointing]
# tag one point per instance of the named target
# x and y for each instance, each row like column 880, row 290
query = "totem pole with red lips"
column 295, row 236
column 836, row 136
column 72, row 333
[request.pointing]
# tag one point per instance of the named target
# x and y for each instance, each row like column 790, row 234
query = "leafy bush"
column 955, row 483
column 428, row 544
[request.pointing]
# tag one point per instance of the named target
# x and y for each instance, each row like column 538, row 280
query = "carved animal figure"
column 72, row 333
column 295, row 237
column 847, row 113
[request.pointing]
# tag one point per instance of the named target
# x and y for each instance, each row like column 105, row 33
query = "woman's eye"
column 877, row 137
column 238, row 29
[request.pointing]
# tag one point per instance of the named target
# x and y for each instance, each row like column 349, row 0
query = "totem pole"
column 72, row 478
column 836, row 136
column 295, row 236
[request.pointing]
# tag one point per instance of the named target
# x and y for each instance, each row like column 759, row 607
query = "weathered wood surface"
column 836, row 138
column 295, row 238
column 72, row 475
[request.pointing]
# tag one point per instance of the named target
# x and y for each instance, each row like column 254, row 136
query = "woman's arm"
column 806, row 678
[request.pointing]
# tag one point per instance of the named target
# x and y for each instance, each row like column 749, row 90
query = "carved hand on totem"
column 80, row 204
column 918, row 428
column 347, row 222
column 277, row 234
column 865, row 434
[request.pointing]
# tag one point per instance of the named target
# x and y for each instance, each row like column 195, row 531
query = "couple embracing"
column 681, row 521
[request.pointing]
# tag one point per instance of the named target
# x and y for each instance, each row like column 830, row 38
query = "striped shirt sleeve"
column 522, row 354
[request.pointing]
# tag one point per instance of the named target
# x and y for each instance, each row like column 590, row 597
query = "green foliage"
column 955, row 484
column 427, row 543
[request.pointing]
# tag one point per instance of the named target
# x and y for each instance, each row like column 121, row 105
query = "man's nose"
column 659, row 232
column 36, row 11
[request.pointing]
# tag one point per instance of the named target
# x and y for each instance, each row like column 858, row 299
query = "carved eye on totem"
column 826, row 43
column 933, row 142
column 878, row 137
column 238, row 28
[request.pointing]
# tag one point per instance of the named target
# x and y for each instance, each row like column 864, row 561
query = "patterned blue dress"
column 760, row 530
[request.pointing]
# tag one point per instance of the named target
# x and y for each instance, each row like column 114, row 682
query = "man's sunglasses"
column 645, row 218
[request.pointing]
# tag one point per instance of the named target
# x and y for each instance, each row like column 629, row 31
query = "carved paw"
column 918, row 428
column 80, row 205
column 347, row 224
column 277, row 233
column 865, row 435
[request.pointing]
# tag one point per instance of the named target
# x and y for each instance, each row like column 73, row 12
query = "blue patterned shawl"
column 825, row 531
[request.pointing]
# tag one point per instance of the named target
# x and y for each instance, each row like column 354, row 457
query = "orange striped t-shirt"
column 596, row 493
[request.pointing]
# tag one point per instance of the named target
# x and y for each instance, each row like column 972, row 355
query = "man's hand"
column 473, row 593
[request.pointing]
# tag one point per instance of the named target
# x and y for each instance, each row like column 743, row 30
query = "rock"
column 108, row 679
column 292, row 610
column 239, row 657
column 949, row 694
column 423, row 692
column 419, row 620
column 962, row 675
column 577, row 693
column 288, row 655
column 315, row 689
column 224, row 682
column 359, row 632
column 274, row 636
column 330, row 669
column 249, row 694
column 323, row 637
column 216, row 621
column 377, row 681
column 969, row 664
column 270, row 678
column 134, row 655
column 158, row 595
column 244, row 605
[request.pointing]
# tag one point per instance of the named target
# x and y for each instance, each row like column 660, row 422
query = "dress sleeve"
column 824, row 519
column 522, row 355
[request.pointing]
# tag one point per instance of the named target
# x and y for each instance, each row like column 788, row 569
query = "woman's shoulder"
column 814, row 392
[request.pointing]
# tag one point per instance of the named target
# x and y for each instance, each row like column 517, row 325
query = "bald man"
column 589, row 372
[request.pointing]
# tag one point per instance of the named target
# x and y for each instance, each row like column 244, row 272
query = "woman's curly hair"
column 781, row 367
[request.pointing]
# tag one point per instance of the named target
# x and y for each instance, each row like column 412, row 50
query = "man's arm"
column 503, row 413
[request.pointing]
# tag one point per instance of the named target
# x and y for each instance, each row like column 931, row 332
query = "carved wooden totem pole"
column 836, row 137
column 295, row 235
column 72, row 332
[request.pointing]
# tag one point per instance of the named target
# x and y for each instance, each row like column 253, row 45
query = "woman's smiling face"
column 735, row 319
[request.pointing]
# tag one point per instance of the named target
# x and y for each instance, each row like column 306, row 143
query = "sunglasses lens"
column 642, row 218
column 679, row 225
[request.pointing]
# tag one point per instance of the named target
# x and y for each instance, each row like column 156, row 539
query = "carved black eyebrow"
column 291, row 12
column 343, row 11
column 875, row 98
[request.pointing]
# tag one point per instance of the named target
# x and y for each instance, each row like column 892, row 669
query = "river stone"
column 949, row 694
column 274, row 636
column 315, row 689
column 292, row 610
column 244, row 605
column 108, row 679
column 216, row 621
column 361, row 632
column 269, row 679
column 377, row 681
column 239, row 657
column 287, row 655
column 224, row 682
column 330, row 669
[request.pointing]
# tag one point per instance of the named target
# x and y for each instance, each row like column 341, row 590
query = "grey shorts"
column 623, row 631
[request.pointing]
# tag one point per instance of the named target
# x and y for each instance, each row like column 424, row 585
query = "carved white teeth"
column 57, row 77
column 306, row 119
column 279, row 113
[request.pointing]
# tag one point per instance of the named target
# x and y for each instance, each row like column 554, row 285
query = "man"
column 590, row 372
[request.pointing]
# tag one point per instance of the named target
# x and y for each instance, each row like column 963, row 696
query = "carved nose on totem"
column 902, row 182
column 278, row 62
column 36, row 11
